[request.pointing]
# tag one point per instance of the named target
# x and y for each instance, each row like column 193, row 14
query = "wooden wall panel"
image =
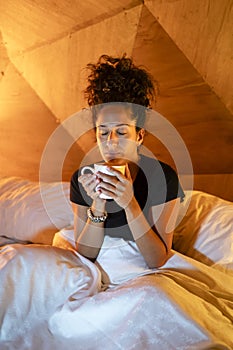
column 218, row 184
column 31, row 24
column 56, row 71
column 26, row 125
column 4, row 60
column 50, row 43
column 186, row 100
column 203, row 30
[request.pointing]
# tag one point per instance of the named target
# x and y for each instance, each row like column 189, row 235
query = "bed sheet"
column 51, row 298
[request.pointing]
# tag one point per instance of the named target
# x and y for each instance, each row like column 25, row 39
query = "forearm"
column 149, row 243
column 90, row 239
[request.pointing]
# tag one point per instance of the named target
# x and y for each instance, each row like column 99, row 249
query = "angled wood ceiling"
column 202, row 29
column 28, row 24
column 186, row 44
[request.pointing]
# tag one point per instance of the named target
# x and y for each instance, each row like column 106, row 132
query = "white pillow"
column 33, row 211
column 206, row 231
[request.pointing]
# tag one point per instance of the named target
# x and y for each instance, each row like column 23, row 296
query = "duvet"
column 53, row 298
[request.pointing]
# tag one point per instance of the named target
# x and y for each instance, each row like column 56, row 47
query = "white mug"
column 103, row 169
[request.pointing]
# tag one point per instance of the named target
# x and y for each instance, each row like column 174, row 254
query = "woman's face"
column 116, row 135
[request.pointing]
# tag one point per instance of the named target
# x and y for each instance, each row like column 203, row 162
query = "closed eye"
column 121, row 133
column 103, row 133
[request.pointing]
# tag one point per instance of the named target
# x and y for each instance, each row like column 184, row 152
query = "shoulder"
column 152, row 166
column 162, row 179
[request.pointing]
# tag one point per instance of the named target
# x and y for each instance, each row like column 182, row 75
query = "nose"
column 112, row 136
column 112, row 141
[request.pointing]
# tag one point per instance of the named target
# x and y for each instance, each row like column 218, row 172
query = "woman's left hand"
column 117, row 186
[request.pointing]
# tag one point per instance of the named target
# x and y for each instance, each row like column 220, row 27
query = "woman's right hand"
column 89, row 183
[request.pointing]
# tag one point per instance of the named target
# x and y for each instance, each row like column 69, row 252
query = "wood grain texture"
column 219, row 185
column 203, row 30
column 26, row 125
column 186, row 100
column 57, row 71
column 31, row 24
column 185, row 44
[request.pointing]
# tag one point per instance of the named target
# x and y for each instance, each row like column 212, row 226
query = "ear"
column 140, row 136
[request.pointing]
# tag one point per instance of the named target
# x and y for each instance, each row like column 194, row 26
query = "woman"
column 145, row 201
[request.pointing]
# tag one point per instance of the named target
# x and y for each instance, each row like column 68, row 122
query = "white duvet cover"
column 51, row 299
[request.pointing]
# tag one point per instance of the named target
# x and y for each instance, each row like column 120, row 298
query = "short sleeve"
column 77, row 192
column 174, row 189
column 163, row 182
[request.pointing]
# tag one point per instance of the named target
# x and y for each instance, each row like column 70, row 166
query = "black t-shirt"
column 155, row 183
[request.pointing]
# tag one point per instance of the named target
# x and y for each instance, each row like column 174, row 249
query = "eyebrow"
column 105, row 126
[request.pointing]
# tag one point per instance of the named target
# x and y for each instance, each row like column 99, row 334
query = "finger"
column 106, row 186
column 92, row 186
column 107, row 178
column 118, row 190
column 84, row 177
column 92, row 191
column 96, row 194
column 89, row 184
column 118, row 196
column 114, row 176
column 107, row 192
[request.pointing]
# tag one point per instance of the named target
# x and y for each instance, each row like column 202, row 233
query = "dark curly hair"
column 117, row 79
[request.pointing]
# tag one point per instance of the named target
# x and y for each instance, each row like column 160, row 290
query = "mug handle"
column 87, row 168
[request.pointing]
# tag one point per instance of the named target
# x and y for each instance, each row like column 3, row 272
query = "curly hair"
column 117, row 79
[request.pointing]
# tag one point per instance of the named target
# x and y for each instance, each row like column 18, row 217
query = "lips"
column 114, row 157
column 113, row 154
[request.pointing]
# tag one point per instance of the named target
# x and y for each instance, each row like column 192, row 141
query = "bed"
column 52, row 298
